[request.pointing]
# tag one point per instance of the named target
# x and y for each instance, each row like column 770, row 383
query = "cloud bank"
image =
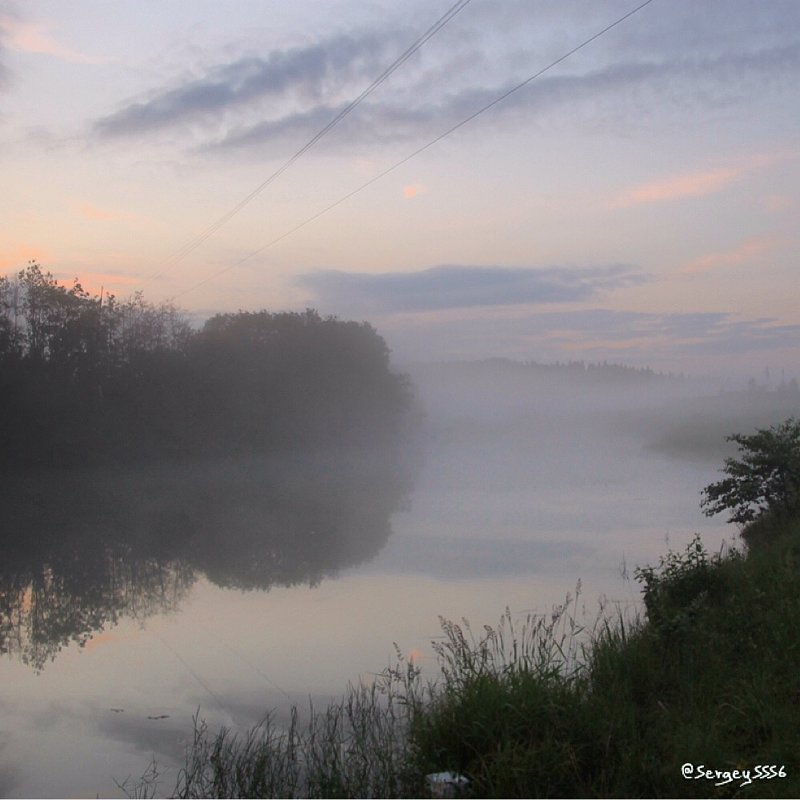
column 6, row 20
column 250, row 102
column 454, row 286
column 663, row 341
column 298, row 74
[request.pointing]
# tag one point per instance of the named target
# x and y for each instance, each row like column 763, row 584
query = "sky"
column 636, row 203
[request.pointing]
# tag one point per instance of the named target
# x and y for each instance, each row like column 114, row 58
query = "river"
column 133, row 599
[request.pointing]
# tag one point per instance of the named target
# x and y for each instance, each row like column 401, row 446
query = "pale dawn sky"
column 637, row 202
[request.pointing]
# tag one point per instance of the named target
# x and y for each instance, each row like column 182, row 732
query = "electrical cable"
column 214, row 227
column 418, row 151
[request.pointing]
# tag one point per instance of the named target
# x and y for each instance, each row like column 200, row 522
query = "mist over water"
column 89, row 549
column 132, row 597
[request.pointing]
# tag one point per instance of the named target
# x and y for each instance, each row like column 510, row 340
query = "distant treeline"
column 602, row 372
column 575, row 372
column 89, row 379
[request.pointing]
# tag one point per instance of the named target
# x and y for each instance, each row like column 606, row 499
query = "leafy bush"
column 676, row 589
column 765, row 479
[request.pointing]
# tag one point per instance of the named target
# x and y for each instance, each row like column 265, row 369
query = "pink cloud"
column 412, row 190
column 777, row 203
column 693, row 184
column 92, row 212
column 747, row 249
column 701, row 182
column 32, row 37
column 17, row 257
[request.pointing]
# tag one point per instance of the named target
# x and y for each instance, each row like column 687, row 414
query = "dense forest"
column 88, row 380
column 258, row 450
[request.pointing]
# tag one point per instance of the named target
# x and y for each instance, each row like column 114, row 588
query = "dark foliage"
column 136, row 452
column 763, row 480
column 708, row 678
column 88, row 380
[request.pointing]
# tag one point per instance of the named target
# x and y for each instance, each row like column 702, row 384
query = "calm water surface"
column 131, row 600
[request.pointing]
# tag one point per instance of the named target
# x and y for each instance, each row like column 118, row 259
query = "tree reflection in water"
column 83, row 550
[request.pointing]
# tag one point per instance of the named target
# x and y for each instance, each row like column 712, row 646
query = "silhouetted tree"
column 269, row 380
column 765, row 478
column 89, row 379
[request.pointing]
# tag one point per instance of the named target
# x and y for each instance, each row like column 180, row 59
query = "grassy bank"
column 708, row 677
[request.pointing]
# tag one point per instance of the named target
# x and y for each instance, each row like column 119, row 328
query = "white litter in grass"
column 446, row 784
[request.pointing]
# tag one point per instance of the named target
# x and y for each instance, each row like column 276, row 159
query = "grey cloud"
column 386, row 121
column 639, row 338
column 298, row 126
column 714, row 58
column 622, row 326
column 715, row 27
column 5, row 72
column 371, row 123
column 699, row 333
column 747, row 336
column 644, row 85
column 302, row 72
column 690, row 325
column 447, row 287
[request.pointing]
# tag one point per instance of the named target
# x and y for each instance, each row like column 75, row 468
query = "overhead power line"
column 499, row 99
column 393, row 67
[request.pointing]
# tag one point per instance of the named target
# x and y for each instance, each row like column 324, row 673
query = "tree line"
column 88, row 379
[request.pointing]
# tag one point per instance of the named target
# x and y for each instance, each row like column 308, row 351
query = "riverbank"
column 700, row 697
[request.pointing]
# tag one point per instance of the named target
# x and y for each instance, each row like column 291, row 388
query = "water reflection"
column 82, row 550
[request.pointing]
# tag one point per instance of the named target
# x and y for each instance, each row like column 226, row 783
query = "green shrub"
column 678, row 587
column 765, row 479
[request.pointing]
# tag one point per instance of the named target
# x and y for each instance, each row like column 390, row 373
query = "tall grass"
column 545, row 707
column 357, row 746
